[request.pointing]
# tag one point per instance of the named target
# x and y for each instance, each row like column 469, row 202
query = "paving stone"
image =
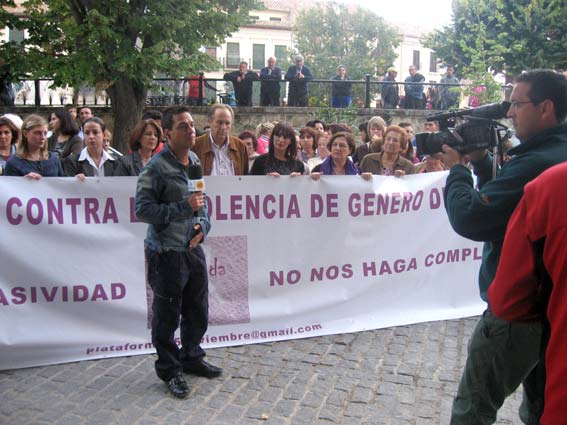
column 330, row 413
column 232, row 411
column 396, row 376
column 233, row 384
column 337, row 398
column 361, row 395
column 260, row 410
column 270, row 394
column 312, row 400
column 285, row 408
column 305, row 415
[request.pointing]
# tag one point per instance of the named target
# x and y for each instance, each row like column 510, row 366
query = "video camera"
column 478, row 130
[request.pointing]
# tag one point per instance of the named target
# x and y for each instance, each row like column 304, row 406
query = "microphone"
column 493, row 111
column 196, row 182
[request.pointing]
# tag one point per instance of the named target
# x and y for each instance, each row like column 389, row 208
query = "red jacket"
column 539, row 221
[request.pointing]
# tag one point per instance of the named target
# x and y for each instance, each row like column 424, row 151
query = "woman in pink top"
column 263, row 132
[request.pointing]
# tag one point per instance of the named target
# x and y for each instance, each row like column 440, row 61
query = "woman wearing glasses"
column 341, row 145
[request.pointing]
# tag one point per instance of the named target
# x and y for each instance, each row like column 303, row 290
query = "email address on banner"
column 231, row 337
column 255, row 335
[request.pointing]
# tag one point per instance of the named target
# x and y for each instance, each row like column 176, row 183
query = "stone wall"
column 249, row 118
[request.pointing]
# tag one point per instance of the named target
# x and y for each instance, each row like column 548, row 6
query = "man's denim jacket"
column 161, row 201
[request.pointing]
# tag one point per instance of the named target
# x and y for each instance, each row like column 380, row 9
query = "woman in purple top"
column 32, row 159
column 341, row 145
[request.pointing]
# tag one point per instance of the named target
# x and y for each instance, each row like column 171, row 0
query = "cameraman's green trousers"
column 501, row 356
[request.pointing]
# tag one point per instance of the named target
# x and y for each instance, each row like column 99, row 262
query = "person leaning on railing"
column 298, row 76
column 341, row 87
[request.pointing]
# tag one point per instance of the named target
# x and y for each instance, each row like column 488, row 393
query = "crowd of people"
column 79, row 144
column 299, row 75
column 520, row 338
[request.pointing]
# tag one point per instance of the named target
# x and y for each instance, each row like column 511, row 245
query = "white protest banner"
column 287, row 258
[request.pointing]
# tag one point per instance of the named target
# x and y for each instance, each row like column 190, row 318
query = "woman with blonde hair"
column 263, row 133
column 375, row 131
column 32, row 159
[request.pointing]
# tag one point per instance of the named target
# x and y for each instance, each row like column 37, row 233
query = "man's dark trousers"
column 297, row 100
column 270, row 98
column 180, row 284
column 501, row 356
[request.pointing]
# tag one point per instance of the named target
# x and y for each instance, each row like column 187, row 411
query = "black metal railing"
column 200, row 90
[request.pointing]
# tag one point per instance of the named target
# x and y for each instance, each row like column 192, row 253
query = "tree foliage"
column 119, row 45
column 331, row 34
column 506, row 35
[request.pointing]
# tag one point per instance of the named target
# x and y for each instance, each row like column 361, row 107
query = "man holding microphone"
column 178, row 221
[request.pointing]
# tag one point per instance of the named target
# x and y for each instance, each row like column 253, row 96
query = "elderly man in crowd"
column 220, row 153
column 298, row 76
column 270, row 78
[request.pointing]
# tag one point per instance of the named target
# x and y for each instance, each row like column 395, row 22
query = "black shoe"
column 178, row 386
column 203, row 369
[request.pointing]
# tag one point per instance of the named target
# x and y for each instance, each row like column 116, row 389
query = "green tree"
column 331, row 34
column 119, row 45
column 507, row 35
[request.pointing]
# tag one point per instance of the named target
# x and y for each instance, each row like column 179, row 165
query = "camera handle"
column 500, row 133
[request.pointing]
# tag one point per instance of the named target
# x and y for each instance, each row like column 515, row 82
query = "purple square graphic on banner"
column 227, row 266
column 227, row 263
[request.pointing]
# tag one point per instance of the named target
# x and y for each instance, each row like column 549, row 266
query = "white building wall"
column 248, row 36
column 411, row 42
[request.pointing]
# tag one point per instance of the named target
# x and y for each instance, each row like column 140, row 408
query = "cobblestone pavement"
column 402, row 375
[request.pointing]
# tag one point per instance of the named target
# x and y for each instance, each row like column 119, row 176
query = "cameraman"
column 502, row 355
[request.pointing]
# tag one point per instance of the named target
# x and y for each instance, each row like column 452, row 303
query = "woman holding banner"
column 341, row 145
column 281, row 158
column 94, row 161
column 389, row 162
column 32, row 159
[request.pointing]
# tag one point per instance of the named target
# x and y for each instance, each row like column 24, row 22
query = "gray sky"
column 426, row 13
